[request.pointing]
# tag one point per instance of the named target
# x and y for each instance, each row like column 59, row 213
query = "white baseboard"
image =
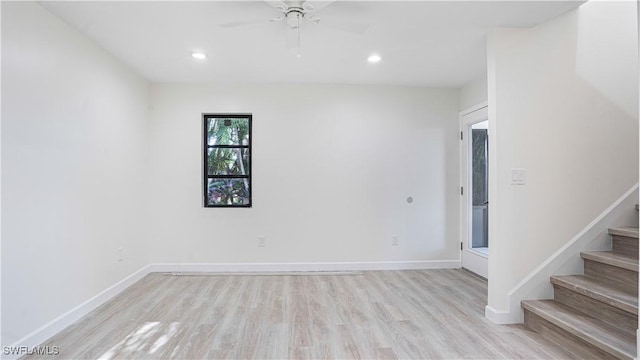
column 566, row 260
column 501, row 317
column 310, row 266
column 45, row 332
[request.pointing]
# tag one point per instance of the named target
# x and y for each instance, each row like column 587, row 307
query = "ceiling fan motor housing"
column 293, row 16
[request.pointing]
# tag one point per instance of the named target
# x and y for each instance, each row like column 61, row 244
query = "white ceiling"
column 422, row 43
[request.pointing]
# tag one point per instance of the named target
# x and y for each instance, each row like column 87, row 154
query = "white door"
column 474, row 204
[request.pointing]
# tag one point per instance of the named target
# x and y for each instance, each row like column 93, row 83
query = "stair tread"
column 628, row 231
column 612, row 258
column 584, row 327
column 608, row 293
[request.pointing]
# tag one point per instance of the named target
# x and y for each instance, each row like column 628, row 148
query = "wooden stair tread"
column 613, row 295
column 612, row 258
column 584, row 327
column 627, row 231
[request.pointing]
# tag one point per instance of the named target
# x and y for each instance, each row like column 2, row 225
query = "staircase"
column 598, row 309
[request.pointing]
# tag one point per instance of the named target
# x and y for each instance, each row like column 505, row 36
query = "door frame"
column 471, row 260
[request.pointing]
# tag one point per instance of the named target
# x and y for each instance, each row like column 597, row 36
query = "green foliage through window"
column 227, row 165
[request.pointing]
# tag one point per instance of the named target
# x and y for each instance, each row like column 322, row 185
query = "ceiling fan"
column 295, row 13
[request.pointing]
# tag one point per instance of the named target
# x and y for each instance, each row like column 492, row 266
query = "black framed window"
column 227, row 160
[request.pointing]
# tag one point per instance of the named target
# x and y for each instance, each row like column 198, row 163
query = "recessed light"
column 374, row 58
column 199, row 55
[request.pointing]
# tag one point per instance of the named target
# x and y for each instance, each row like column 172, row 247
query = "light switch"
column 518, row 176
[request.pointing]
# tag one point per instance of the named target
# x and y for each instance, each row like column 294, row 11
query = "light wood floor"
column 422, row 314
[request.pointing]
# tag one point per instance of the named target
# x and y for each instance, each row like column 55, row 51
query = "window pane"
column 228, row 192
column 227, row 131
column 225, row 161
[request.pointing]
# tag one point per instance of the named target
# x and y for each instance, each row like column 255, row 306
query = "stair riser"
column 624, row 277
column 614, row 316
column 559, row 336
column 625, row 245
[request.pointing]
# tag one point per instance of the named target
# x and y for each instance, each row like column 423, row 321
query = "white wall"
column 333, row 166
column 563, row 104
column 474, row 93
column 74, row 169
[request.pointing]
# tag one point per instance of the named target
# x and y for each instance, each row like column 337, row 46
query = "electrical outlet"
column 120, row 254
column 262, row 241
column 395, row 241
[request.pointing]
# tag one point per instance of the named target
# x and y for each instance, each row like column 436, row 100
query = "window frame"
column 205, row 158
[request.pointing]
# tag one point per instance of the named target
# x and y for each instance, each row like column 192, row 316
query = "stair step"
column 611, row 258
column 612, row 267
column 627, row 231
column 583, row 327
column 625, row 240
column 614, row 305
column 609, row 294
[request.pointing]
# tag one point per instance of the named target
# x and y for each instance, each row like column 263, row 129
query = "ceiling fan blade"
column 235, row 24
column 348, row 26
column 316, row 5
column 281, row 5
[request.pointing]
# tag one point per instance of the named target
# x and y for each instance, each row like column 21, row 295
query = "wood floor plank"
column 414, row 314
